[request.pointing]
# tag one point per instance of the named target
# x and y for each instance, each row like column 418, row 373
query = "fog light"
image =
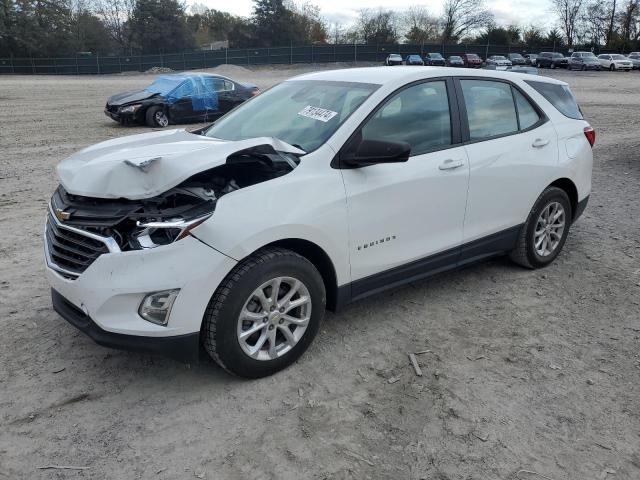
column 156, row 306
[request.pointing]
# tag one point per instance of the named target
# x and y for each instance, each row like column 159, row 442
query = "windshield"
column 588, row 55
column 303, row 113
column 557, row 55
column 454, row 57
column 618, row 57
column 515, row 55
column 435, row 55
column 498, row 57
column 472, row 55
column 395, row 56
column 164, row 85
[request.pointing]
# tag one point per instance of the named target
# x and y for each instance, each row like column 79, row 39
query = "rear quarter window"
column 560, row 97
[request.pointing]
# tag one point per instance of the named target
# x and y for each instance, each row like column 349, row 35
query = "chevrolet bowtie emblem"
column 62, row 215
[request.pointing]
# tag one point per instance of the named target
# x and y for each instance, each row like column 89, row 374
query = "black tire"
column 219, row 326
column 152, row 117
column 584, row 68
column 524, row 253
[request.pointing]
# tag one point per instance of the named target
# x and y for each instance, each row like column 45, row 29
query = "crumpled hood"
column 146, row 165
column 130, row 96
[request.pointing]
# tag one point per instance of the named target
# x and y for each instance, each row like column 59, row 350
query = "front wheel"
column 264, row 314
column 156, row 117
column 612, row 67
column 544, row 233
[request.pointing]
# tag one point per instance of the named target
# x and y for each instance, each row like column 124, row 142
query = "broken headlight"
column 156, row 234
column 129, row 108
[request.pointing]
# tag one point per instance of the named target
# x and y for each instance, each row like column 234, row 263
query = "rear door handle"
column 539, row 143
column 450, row 164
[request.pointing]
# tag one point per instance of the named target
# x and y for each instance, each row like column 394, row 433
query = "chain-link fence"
column 96, row 64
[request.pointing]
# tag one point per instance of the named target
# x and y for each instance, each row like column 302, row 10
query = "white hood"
column 146, row 165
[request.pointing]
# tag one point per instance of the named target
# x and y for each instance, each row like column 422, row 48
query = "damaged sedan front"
column 145, row 233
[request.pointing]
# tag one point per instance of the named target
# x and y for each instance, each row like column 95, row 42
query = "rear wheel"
column 264, row 314
column 156, row 117
column 544, row 233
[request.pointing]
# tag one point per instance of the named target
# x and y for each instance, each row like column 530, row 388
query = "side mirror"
column 372, row 152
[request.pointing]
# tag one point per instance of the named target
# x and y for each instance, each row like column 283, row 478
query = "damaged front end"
column 80, row 227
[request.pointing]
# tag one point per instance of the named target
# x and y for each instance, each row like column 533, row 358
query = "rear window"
column 559, row 96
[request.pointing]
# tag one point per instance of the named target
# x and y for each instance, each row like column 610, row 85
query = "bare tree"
column 115, row 14
column 420, row 24
column 377, row 25
column 630, row 21
column 612, row 18
column 459, row 17
column 570, row 13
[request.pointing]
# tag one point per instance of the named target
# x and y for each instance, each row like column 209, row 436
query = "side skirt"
column 469, row 253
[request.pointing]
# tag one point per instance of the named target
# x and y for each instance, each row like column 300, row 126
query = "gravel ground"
column 524, row 370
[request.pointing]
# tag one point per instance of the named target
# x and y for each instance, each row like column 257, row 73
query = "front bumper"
column 184, row 348
column 108, row 293
column 124, row 118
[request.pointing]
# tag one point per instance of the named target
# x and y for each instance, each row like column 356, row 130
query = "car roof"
column 401, row 75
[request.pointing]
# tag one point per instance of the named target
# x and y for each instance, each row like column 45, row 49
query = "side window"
column 527, row 115
column 418, row 115
column 560, row 97
column 490, row 108
column 228, row 86
column 182, row 91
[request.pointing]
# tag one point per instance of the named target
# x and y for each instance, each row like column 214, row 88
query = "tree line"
column 105, row 27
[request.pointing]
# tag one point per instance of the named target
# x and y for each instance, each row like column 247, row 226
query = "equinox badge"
column 62, row 215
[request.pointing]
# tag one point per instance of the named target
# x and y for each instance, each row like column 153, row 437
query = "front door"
column 401, row 215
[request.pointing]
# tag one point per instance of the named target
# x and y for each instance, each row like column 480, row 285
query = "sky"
column 522, row 12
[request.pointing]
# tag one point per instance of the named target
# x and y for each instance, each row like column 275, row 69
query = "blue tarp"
column 202, row 89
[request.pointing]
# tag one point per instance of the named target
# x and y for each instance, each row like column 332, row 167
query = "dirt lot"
column 526, row 370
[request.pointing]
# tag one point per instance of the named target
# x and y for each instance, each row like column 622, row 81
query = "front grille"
column 69, row 250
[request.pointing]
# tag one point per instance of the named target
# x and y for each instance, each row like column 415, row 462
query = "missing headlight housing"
column 155, row 234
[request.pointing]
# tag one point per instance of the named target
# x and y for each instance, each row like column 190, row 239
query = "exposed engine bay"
column 159, row 220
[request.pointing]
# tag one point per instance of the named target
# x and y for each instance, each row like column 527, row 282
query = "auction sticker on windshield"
column 317, row 113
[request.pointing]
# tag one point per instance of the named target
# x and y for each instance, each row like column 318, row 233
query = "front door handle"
column 539, row 143
column 450, row 164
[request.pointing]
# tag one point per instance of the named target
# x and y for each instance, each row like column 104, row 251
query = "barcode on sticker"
column 317, row 113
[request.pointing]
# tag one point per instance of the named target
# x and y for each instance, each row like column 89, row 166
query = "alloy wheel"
column 161, row 119
column 274, row 318
column 549, row 229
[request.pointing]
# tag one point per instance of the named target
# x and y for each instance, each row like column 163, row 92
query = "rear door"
column 513, row 154
column 402, row 214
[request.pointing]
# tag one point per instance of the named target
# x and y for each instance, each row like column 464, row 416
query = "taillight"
column 590, row 133
column 255, row 92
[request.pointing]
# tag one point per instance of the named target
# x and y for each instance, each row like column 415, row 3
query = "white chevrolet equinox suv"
column 328, row 187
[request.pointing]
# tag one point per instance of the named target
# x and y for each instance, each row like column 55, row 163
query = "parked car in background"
column 393, row 59
column 455, row 61
column 471, row 60
column 635, row 60
column 414, row 60
column 172, row 242
column 615, row 61
column 434, row 59
column 584, row 61
column 499, row 61
column 530, row 58
column 179, row 98
column 551, row 60
column 517, row 59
